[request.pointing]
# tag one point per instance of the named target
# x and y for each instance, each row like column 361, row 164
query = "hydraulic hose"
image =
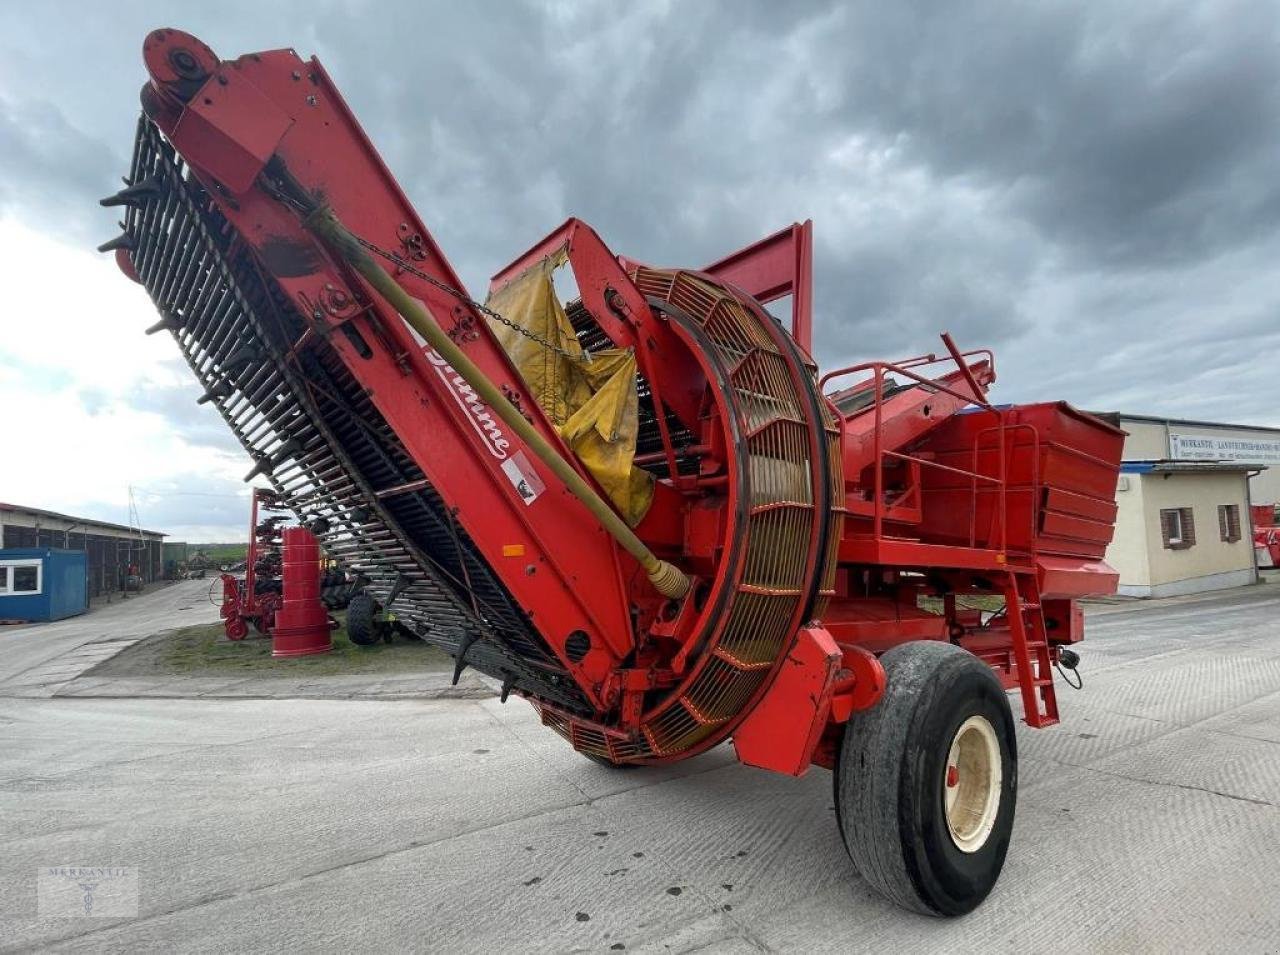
column 666, row 578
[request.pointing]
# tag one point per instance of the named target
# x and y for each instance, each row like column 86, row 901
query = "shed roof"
column 1185, row 422
column 84, row 521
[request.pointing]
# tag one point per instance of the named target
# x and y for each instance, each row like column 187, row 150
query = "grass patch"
column 220, row 553
column 204, row 650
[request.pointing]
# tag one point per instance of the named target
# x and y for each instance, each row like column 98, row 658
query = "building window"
column 1229, row 522
column 20, row 577
column 1178, row 528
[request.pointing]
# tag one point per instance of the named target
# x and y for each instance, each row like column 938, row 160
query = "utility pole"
column 135, row 528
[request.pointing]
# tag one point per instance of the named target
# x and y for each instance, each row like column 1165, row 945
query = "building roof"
column 1184, row 422
column 84, row 521
column 1189, row 467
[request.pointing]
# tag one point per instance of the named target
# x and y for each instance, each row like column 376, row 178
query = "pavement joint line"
column 1161, row 783
column 592, row 800
column 195, row 748
column 293, row 694
column 1145, row 661
column 1173, row 728
column 716, row 910
column 1255, row 739
column 492, row 718
column 1150, row 614
column 1246, row 594
column 1265, row 694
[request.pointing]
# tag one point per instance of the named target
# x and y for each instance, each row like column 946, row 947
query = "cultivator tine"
column 460, row 656
column 262, row 466
column 401, row 584
column 169, row 323
column 241, row 356
column 218, row 388
column 135, row 195
column 122, row 241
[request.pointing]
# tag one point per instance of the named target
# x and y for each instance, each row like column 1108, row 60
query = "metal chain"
column 275, row 189
column 400, row 263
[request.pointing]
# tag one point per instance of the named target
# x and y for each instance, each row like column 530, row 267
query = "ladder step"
column 1046, row 681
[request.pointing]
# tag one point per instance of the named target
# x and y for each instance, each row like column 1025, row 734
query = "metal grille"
column 776, row 576
column 315, row 435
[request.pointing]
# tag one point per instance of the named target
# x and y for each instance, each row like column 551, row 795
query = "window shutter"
column 1188, row 528
column 1166, row 528
column 1231, row 519
column 1224, row 523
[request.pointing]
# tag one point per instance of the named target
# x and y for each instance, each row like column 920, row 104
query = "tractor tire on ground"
column 362, row 624
column 927, row 780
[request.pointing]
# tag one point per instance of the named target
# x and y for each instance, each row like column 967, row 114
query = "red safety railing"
column 908, row 369
column 1004, row 429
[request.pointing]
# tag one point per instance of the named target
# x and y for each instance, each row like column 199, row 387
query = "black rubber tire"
column 362, row 623
column 890, row 773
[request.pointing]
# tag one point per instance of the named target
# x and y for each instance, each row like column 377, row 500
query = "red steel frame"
column 559, row 566
column 241, row 602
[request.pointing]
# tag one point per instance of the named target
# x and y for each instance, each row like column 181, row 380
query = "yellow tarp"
column 592, row 402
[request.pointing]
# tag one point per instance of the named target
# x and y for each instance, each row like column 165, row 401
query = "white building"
column 1185, row 489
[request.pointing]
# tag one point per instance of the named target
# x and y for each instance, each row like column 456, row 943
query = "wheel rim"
column 971, row 784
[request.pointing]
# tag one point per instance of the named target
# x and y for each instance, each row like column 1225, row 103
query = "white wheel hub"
column 971, row 784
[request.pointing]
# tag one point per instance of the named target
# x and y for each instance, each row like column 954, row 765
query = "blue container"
column 37, row 583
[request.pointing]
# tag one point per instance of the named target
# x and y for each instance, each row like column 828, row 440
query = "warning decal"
column 523, row 477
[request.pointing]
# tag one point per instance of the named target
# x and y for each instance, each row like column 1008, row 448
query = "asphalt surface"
column 1148, row 821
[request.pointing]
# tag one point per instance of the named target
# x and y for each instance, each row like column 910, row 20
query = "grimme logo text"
column 477, row 411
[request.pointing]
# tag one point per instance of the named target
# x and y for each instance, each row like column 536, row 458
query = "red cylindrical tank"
column 302, row 625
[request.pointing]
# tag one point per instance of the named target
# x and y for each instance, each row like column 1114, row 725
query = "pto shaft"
column 667, row 579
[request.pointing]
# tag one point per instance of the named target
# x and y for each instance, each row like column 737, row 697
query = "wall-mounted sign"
column 1200, row 447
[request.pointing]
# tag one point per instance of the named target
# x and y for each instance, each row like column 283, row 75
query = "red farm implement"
column 254, row 599
column 1266, row 534
column 641, row 509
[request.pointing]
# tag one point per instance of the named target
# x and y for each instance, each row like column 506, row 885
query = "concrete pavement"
column 1148, row 821
column 39, row 659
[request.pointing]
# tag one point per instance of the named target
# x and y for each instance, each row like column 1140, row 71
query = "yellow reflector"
column 513, row 550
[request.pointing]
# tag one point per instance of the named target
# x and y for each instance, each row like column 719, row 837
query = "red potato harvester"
column 643, row 510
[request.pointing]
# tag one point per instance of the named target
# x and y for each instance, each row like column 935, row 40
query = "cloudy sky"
column 1092, row 189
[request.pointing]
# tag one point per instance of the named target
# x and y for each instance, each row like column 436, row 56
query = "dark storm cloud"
column 1133, row 131
column 1090, row 189
column 51, row 167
